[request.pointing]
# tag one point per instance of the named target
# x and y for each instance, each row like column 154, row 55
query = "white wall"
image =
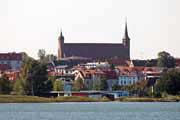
column 127, row 80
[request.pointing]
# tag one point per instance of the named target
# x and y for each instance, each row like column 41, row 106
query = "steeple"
column 126, row 39
column 126, row 36
column 61, row 35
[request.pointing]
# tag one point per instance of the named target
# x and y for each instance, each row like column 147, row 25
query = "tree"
column 33, row 78
column 41, row 54
column 100, row 84
column 151, row 63
column 116, row 87
column 140, row 88
column 43, row 58
column 50, row 57
column 103, row 84
column 58, row 85
column 165, row 60
column 23, row 84
column 169, row 82
column 79, row 84
column 112, row 66
column 39, row 78
column 19, row 87
column 5, row 85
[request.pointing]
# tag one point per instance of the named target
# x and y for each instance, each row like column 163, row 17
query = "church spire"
column 126, row 36
column 126, row 39
column 61, row 34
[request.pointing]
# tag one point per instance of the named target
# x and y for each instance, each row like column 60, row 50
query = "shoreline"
column 35, row 99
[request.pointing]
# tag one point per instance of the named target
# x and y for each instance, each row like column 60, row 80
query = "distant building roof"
column 11, row 56
column 120, row 62
column 96, row 50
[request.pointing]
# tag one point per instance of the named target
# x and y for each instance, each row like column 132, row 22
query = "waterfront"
column 91, row 111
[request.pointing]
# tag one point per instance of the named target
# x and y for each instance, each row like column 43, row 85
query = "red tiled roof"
column 120, row 62
column 4, row 67
column 11, row 56
column 177, row 61
column 128, row 70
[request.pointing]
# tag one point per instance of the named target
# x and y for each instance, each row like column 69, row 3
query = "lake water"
column 90, row 111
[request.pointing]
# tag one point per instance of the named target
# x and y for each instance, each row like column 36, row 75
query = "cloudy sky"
column 29, row 25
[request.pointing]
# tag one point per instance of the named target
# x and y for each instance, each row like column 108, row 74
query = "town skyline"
column 24, row 29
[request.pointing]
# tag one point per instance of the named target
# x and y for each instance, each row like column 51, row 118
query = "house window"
column 121, row 82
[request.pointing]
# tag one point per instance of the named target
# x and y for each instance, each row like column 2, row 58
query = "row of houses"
column 92, row 73
column 123, row 73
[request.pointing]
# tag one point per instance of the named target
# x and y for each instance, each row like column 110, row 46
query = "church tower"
column 126, row 39
column 60, row 46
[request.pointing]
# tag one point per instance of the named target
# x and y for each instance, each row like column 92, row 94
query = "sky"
column 30, row 25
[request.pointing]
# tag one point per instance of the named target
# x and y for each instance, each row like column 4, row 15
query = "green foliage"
column 23, row 84
column 39, row 78
column 96, row 87
column 5, row 85
column 103, row 84
column 117, row 87
column 165, row 60
column 41, row 54
column 50, row 57
column 43, row 58
column 170, row 82
column 151, row 63
column 79, row 84
column 141, row 88
column 112, row 66
column 52, row 78
column 33, row 78
column 58, row 85
column 19, row 87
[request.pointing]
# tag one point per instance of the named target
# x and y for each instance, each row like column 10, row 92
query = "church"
column 95, row 50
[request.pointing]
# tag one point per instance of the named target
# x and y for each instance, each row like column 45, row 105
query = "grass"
column 23, row 99
column 149, row 99
column 75, row 99
column 35, row 99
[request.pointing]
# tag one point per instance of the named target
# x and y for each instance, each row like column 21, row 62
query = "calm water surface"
column 90, row 111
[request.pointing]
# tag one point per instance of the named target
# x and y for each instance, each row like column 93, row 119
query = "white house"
column 129, row 76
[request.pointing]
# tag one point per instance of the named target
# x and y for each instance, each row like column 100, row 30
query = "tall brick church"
column 95, row 50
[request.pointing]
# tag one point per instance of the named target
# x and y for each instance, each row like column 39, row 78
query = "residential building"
column 11, row 61
column 129, row 75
